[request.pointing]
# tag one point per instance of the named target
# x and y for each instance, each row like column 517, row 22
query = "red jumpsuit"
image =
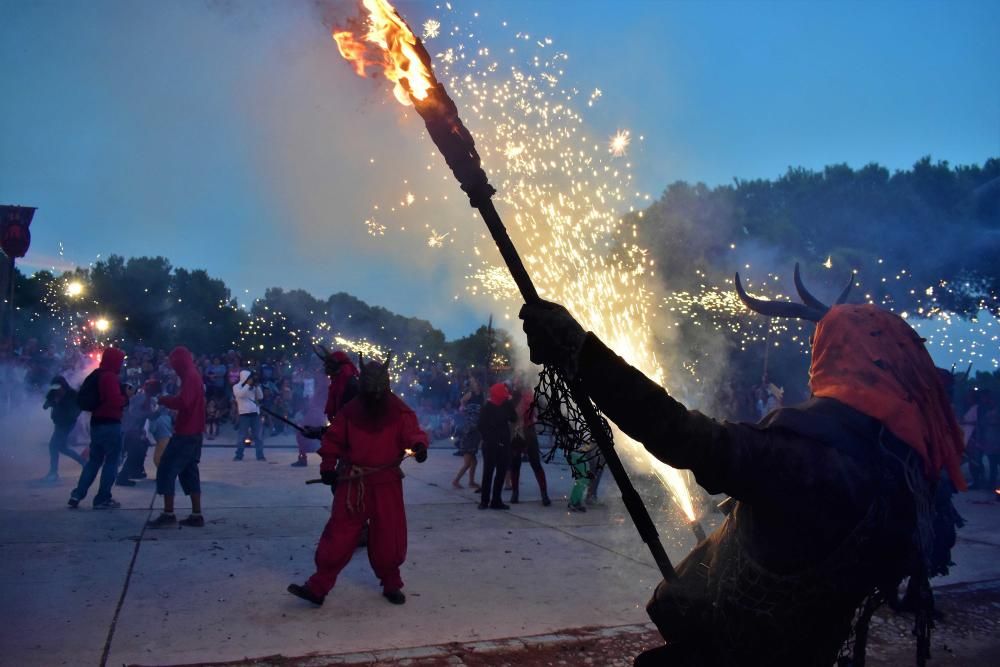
column 373, row 446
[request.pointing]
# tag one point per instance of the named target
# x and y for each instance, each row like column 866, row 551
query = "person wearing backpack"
column 102, row 395
column 62, row 399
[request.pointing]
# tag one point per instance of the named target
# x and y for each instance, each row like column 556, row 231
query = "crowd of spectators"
column 287, row 382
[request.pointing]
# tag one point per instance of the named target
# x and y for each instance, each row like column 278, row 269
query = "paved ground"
column 533, row 586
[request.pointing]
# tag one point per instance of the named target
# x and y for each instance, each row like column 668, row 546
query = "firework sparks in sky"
column 619, row 143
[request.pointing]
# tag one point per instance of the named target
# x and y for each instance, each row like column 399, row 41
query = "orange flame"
column 397, row 55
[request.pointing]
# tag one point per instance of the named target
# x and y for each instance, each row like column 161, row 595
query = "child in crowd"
column 159, row 428
column 212, row 416
column 581, row 479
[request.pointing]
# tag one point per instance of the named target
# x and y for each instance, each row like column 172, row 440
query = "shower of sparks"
column 436, row 240
column 374, row 228
column 829, row 262
column 432, row 29
column 717, row 306
column 563, row 196
column 494, row 281
column 619, row 143
column 513, row 151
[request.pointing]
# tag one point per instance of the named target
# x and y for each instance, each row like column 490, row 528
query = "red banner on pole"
column 15, row 237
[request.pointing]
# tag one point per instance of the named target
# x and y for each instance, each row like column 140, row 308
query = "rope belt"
column 356, row 483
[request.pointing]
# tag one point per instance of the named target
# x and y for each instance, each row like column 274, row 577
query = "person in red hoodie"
column 343, row 382
column 105, row 433
column 369, row 438
column 180, row 458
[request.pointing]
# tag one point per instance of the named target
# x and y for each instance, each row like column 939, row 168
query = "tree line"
column 147, row 300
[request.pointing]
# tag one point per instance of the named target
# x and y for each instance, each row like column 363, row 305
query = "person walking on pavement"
column 468, row 443
column 525, row 442
column 65, row 411
column 367, row 441
column 103, row 395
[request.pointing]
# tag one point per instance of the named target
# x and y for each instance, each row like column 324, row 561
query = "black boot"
column 395, row 597
column 305, row 594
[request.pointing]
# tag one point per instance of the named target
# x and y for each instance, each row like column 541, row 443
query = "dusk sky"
column 231, row 136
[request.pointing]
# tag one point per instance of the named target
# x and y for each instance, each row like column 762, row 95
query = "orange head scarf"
column 873, row 361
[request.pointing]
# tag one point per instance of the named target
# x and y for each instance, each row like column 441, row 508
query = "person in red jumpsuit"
column 362, row 450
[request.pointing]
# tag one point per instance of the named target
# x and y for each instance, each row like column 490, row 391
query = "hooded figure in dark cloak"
column 832, row 497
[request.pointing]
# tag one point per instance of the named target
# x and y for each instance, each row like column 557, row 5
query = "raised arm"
column 746, row 461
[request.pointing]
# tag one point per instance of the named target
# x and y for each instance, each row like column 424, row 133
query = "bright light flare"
column 74, row 288
column 102, row 325
column 396, row 54
column 619, row 143
column 432, row 29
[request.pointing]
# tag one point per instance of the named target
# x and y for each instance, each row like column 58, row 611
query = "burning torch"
column 408, row 64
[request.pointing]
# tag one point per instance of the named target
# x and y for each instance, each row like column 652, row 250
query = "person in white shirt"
column 248, row 395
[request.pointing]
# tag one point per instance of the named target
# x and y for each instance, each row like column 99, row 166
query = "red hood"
column 347, row 368
column 112, row 360
column 499, row 393
column 181, row 360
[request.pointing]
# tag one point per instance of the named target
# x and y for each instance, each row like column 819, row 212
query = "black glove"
column 329, row 477
column 313, row 432
column 554, row 336
column 420, row 452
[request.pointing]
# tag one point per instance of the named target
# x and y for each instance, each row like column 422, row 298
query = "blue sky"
column 230, row 136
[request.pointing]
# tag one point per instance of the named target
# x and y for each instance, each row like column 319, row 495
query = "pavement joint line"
column 128, row 579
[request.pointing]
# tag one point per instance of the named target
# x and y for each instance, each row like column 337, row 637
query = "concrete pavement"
column 86, row 587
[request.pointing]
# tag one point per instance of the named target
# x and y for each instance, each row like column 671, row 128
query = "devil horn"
column 804, row 294
column 847, row 290
column 321, row 351
column 778, row 308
